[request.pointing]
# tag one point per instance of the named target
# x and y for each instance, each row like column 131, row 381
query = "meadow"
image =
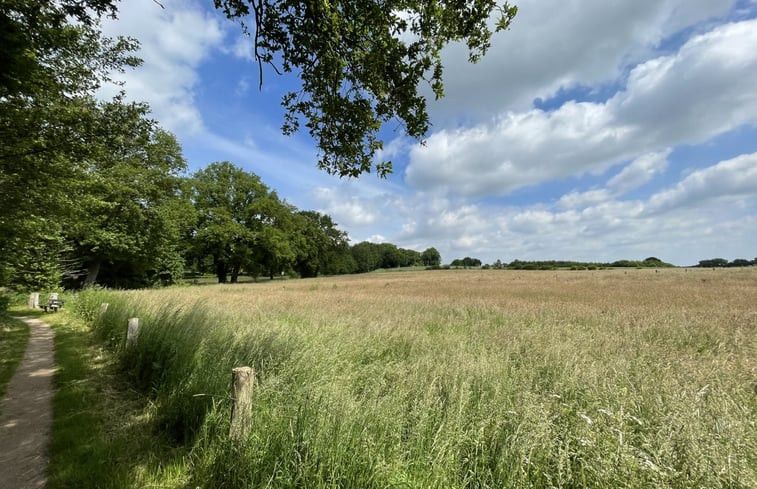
column 452, row 379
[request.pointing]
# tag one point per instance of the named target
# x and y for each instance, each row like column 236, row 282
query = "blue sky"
column 592, row 130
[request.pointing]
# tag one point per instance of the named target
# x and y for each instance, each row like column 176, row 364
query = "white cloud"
column 734, row 179
column 713, row 210
column 346, row 211
column 639, row 172
column 634, row 175
column 555, row 44
column 575, row 199
column 243, row 48
column 703, row 90
column 175, row 40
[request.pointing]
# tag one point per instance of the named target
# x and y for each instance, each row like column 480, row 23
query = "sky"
column 593, row 130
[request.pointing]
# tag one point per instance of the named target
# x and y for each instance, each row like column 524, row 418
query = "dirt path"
column 27, row 413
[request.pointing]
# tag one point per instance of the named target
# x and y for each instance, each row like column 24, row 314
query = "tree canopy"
column 361, row 64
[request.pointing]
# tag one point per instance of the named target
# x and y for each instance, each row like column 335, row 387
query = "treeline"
column 467, row 262
column 372, row 256
column 723, row 263
column 136, row 222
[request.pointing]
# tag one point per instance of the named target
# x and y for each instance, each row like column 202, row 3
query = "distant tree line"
column 723, row 263
column 467, row 262
column 650, row 262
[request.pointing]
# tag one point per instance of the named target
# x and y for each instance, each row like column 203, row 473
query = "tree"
column 360, row 63
column 466, row 262
column 233, row 208
column 431, row 257
column 367, row 255
column 276, row 246
column 130, row 210
column 51, row 67
column 322, row 248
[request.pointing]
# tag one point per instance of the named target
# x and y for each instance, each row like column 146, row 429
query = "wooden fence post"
column 242, row 379
column 34, row 300
column 103, row 308
column 132, row 331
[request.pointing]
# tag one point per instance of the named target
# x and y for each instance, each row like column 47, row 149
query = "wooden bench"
column 53, row 303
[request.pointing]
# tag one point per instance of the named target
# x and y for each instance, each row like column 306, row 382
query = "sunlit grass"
column 455, row 378
column 14, row 336
column 102, row 434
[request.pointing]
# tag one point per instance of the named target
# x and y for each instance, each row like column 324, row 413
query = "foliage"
column 722, row 262
column 360, row 64
column 650, row 262
column 51, row 67
column 431, row 257
column 131, row 213
column 466, row 262
column 372, row 256
column 322, row 248
column 233, row 209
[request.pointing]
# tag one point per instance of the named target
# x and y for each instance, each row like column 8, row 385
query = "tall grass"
column 455, row 379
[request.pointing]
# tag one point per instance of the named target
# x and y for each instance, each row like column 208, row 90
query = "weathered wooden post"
column 242, row 379
column 34, row 300
column 103, row 309
column 132, row 331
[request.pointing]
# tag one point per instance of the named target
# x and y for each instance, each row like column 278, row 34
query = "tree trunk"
column 221, row 272
column 235, row 273
column 92, row 270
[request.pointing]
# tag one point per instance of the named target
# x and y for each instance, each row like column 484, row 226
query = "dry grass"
column 446, row 379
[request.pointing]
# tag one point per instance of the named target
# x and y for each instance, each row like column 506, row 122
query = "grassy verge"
column 102, row 431
column 14, row 335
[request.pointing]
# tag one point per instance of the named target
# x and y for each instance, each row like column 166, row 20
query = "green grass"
column 436, row 380
column 14, row 335
column 102, row 434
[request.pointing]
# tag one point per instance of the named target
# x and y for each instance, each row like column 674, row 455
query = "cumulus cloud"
column 703, row 90
column 634, row 175
column 730, row 180
column 554, row 44
column 347, row 211
column 174, row 40
column 713, row 208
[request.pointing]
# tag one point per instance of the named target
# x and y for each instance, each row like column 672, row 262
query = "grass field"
column 452, row 379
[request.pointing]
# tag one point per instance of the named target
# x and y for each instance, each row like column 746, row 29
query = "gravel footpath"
column 27, row 413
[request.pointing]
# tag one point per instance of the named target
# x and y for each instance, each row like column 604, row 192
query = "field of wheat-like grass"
column 452, row 379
